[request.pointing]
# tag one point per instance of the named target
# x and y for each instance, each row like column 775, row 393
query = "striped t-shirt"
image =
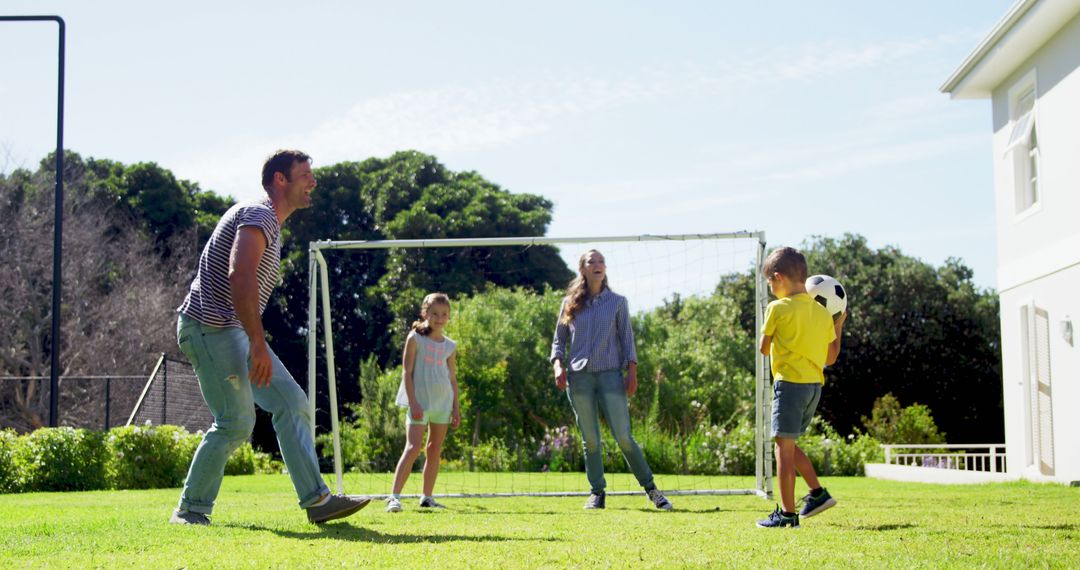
column 208, row 301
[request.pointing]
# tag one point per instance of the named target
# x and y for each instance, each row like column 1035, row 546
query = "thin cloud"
column 850, row 158
column 501, row 113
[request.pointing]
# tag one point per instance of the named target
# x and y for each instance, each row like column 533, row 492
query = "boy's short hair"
column 281, row 161
column 786, row 260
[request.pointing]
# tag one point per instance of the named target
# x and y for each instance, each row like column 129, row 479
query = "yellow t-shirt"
column 801, row 331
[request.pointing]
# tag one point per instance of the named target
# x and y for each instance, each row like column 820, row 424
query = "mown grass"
column 257, row 525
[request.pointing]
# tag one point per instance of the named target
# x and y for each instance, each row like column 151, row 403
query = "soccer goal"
column 658, row 274
column 171, row 396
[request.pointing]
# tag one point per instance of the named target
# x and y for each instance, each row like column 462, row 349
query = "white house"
column 1028, row 67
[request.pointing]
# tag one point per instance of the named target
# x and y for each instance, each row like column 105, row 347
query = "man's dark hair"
column 281, row 161
column 786, row 260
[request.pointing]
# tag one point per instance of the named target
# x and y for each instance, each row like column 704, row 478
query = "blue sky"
column 796, row 118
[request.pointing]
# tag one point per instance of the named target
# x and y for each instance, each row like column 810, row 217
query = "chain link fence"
column 169, row 396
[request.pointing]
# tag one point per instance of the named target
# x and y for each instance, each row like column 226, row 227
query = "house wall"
column 1039, row 251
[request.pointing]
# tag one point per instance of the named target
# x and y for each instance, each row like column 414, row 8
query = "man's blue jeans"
column 220, row 358
column 590, row 392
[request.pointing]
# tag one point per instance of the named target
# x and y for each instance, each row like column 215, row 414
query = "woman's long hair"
column 578, row 291
column 421, row 326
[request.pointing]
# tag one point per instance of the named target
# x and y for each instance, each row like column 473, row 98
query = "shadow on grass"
column 882, row 527
column 348, row 532
column 1063, row 526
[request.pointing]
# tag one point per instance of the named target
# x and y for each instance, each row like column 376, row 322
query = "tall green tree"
column 120, row 289
column 693, row 350
column 375, row 294
column 926, row 334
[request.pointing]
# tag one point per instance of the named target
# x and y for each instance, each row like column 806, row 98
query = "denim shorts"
column 793, row 407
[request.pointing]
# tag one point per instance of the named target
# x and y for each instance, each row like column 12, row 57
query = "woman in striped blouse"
column 593, row 344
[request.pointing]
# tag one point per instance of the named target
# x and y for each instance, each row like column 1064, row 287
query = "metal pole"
column 58, row 232
column 311, row 341
column 331, row 375
column 164, row 388
column 108, row 398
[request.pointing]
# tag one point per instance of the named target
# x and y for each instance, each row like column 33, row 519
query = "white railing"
column 988, row 457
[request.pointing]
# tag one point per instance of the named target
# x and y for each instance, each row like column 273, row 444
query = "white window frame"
column 1022, row 148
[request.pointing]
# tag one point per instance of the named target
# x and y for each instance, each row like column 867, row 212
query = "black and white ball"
column 829, row 292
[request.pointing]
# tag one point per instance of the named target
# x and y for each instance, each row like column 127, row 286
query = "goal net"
column 701, row 410
column 171, row 396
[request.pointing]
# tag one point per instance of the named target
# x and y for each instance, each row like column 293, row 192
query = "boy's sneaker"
column 188, row 517
column 596, row 501
column 778, row 520
column 393, row 505
column 658, row 499
column 429, row 503
column 813, row 506
column 338, row 507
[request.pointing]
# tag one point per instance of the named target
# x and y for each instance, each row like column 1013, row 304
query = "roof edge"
column 987, row 45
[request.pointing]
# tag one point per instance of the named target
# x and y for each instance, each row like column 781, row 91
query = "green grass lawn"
column 257, row 524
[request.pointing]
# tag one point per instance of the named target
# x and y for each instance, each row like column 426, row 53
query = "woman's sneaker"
column 658, row 499
column 813, row 506
column 393, row 505
column 595, row 501
column 429, row 503
column 776, row 519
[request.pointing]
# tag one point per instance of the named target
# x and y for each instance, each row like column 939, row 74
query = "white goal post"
column 318, row 281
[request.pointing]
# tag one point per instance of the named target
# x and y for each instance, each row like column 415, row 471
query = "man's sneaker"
column 778, row 520
column 813, row 506
column 393, row 505
column 596, row 501
column 188, row 517
column 338, row 507
column 429, row 503
column 659, row 499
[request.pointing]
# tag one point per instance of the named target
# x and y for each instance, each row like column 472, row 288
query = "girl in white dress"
column 429, row 392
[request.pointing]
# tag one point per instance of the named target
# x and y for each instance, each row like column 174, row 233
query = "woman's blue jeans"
column 220, row 358
column 589, row 393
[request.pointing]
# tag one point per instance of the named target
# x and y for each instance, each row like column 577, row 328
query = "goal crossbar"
column 539, row 240
column 318, row 281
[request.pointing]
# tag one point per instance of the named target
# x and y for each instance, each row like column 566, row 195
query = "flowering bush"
column 493, row 456
column 559, row 450
column 833, row 454
column 717, row 450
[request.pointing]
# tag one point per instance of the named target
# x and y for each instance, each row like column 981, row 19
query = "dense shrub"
column 242, row 461
column 833, row 454
column 130, row 457
column 891, row 423
column 722, row 450
column 373, row 440
column 63, row 459
column 149, row 457
column 493, row 456
column 265, row 464
column 10, row 476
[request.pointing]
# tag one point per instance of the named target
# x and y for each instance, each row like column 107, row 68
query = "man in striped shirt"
column 220, row 330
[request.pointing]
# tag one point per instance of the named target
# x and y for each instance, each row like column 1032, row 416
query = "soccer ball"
column 829, row 292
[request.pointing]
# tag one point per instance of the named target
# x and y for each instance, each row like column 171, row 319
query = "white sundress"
column 431, row 377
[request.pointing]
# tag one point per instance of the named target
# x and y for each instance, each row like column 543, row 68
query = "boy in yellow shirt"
column 802, row 339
